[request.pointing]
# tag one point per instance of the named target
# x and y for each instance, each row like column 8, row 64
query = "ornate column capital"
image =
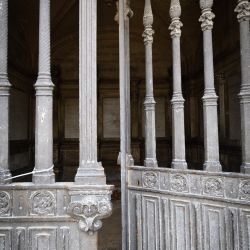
column 175, row 13
column 89, row 209
column 243, row 10
column 128, row 11
column 148, row 21
column 207, row 15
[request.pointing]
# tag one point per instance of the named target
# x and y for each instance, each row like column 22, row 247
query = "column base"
column 44, row 178
column 150, row 163
column 212, row 166
column 5, row 174
column 90, row 174
column 245, row 168
column 177, row 164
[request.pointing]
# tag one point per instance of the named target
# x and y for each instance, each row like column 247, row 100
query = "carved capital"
column 175, row 28
column 128, row 11
column 148, row 20
column 243, row 10
column 175, row 9
column 206, row 20
column 89, row 210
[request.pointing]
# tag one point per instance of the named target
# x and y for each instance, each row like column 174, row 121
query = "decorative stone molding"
column 179, row 183
column 4, row 203
column 206, row 20
column 175, row 28
column 89, row 211
column 245, row 189
column 243, row 10
column 213, row 186
column 42, row 203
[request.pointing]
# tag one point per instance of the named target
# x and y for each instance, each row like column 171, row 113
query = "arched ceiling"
column 23, row 37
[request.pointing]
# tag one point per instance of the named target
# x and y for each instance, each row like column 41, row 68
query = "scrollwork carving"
column 243, row 10
column 4, row 203
column 89, row 211
column 42, row 203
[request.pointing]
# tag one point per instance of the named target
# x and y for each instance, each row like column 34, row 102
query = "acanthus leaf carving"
column 243, row 10
column 89, row 211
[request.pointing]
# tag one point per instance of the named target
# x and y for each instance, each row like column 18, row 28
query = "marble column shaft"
column 210, row 113
column 179, row 154
column 4, row 93
column 243, row 10
column 90, row 171
column 149, row 104
column 44, row 103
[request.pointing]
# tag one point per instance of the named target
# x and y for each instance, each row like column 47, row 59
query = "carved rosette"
column 89, row 211
column 4, row 203
column 213, row 186
column 148, row 20
column 179, row 183
column 175, row 13
column 150, row 179
column 42, row 203
column 243, row 10
column 245, row 189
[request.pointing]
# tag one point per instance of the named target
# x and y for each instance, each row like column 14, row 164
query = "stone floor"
column 110, row 234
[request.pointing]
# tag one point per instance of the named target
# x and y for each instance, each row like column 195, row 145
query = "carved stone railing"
column 189, row 209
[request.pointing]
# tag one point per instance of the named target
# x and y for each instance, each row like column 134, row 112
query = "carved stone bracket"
column 243, row 10
column 89, row 210
column 206, row 20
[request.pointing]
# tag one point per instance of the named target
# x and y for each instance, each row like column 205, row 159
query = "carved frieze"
column 150, row 179
column 89, row 211
column 4, row 203
column 178, row 183
column 243, row 10
column 42, row 203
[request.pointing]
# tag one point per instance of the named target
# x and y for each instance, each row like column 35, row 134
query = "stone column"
column 178, row 132
column 210, row 114
column 149, row 104
column 90, row 171
column 4, row 93
column 44, row 103
column 243, row 10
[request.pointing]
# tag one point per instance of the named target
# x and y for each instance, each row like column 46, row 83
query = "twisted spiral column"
column 149, row 103
column 4, row 93
column 179, row 154
column 211, row 138
column 44, row 103
column 243, row 10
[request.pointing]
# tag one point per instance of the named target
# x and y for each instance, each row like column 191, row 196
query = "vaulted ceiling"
column 23, row 37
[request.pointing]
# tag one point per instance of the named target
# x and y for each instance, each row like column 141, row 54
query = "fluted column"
column 243, row 10
column 149, row 104
column 4, row 93
column 44, row 103
column 89, row 171
column 179, row 154
column 210, row 114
